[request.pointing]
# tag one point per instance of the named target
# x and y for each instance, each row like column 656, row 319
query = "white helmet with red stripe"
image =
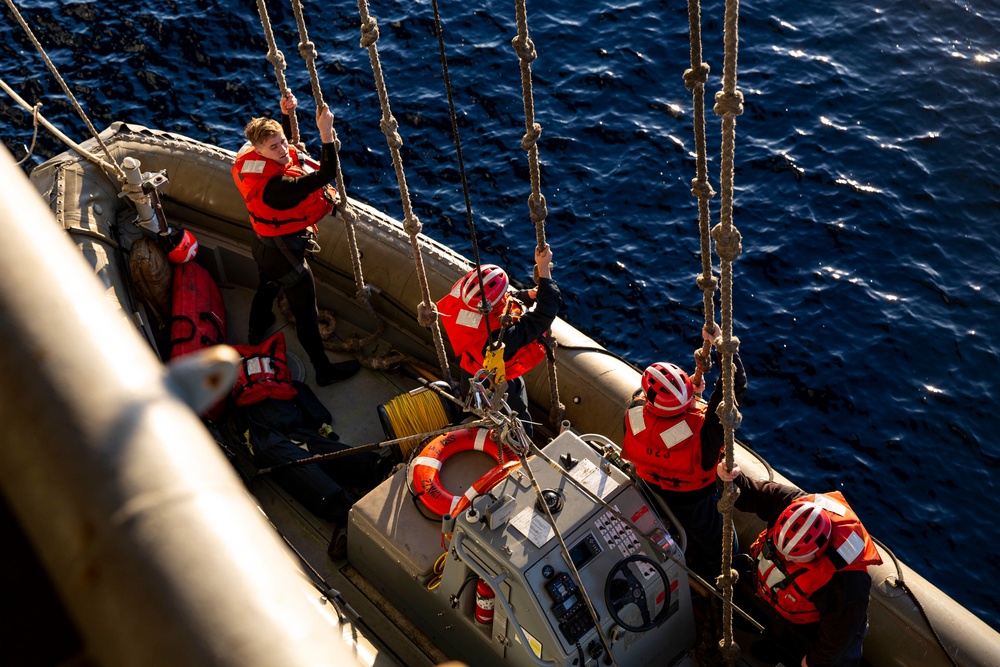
column 668, row 389
column 495, row 282
column 802, row 531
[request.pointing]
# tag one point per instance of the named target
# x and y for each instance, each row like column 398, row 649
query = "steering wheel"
column 625, row 589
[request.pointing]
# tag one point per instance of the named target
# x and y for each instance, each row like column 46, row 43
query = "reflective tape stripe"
column 427, row 461
column 481, row 439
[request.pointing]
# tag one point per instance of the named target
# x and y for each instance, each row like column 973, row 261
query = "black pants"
column 281, row 265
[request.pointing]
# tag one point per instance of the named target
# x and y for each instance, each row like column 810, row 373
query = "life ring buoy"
column 424, row 471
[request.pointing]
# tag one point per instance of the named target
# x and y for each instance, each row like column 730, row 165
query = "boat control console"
column 510, row 593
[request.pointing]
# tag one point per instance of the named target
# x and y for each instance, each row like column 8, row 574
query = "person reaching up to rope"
column 532, row 313
column 812, row 568
column 285, row 201
column 675, row 442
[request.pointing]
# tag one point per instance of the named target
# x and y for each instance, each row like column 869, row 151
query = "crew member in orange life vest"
column 466, row 328
column 811, row 566
column 285, row 202
column 675, row 443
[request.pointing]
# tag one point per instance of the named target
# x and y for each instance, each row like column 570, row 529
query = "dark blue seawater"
column 866, row 297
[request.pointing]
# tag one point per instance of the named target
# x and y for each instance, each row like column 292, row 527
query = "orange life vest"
column 468, row 335
column 252, row 171
column 198, row 317
column 788, row 586
column 666, row 451
column 264, row 372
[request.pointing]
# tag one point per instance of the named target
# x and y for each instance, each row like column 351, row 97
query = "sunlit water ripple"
column 865, row 297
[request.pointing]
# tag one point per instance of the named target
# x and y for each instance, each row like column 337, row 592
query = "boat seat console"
column 508, row 594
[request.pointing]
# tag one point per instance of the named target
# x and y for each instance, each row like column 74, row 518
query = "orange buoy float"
column 425, row 469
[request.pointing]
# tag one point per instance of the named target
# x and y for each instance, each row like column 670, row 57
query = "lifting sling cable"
column 728, row 245
column 484, row 307
column 695, row 79
column 525, row 50
column 308, row 52
column 427, row 314
column 76, row 105
column 277, row 58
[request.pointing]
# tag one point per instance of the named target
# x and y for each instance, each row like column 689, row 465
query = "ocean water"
column 865, row 298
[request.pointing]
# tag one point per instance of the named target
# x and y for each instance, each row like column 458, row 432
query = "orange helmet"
column 185, row 249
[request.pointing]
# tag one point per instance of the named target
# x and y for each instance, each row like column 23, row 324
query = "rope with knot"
column 427, row 310
column 119, row 172
column 526, row 53
column 308, row 51
column 276, row 58
column 728, row 104
column 695, row 79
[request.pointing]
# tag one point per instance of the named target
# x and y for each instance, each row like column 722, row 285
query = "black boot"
column 329, row 373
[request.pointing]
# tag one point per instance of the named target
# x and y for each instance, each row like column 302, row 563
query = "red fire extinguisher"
column 484, row 603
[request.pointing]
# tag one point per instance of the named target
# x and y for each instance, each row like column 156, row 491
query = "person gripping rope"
column 285, row 201
column 811, row 567
column 675, row 443
column 471, row 334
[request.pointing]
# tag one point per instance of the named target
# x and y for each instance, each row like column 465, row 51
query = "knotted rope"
column 76, row 105
column 427, row 314
column 695, row 79
column 728, row 245
column 307, row 50
column 525, row 50
column 276, row 58
column 347, row 213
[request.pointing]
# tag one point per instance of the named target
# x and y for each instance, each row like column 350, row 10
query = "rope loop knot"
column 531, row 137
column 701, row 188
column 412, row 225
column 307, row 50
column 390, row 128
column 369, row 32
column 708, row 283
column 525, row 48
column 728, row 104
column 537, row 207
column 695, row 77
column 731, row 346
column 702, row 360
column 728, row 244
column 277, row 58
column 730, row 417
column 426, row 314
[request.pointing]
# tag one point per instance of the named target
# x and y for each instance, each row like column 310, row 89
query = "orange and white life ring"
column 425, row 469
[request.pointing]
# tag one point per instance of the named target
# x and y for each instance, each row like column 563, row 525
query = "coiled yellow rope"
column 410, row 414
